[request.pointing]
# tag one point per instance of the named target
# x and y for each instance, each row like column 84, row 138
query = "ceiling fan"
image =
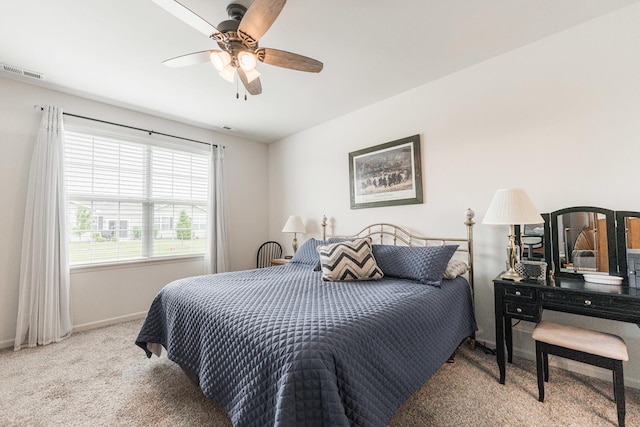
column 238, row 39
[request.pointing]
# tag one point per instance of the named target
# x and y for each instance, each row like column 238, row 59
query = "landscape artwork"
column 387, row 174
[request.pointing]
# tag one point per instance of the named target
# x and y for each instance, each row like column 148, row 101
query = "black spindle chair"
column 268, row 251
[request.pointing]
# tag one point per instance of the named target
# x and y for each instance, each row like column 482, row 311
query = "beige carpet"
column 100, row 378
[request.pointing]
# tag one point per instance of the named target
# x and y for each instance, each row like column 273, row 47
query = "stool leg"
column 618, row 391
column 540, row 371
column 545, row 357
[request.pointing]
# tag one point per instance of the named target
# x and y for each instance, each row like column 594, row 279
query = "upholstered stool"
column 586, row 346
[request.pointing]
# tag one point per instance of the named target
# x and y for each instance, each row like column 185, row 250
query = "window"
column 131, row 200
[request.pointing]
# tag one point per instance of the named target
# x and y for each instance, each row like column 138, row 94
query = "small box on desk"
column 532, row 270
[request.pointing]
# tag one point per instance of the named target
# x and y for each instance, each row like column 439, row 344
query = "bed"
column 283, row 346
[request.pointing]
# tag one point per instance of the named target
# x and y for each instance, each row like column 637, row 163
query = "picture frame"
column 388, row 174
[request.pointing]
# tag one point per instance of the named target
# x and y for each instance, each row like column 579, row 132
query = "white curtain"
column 217, row 254
column 43, row 306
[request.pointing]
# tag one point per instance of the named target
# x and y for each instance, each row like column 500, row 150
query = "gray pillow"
column 307, row 253
column 423, row 264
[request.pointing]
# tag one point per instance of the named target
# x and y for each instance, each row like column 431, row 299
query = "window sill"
column 134, row 263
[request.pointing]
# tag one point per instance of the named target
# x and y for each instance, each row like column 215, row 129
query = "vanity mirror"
column 585, row 240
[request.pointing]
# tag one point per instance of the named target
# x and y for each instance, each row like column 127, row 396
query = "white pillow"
column 455, row 268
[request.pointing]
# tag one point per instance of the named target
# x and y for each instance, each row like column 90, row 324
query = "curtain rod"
column 150, row 132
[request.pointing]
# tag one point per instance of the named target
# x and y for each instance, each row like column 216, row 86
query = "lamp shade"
column 512, row 206
column 220, row 59
column 294, row 225
column 247, row 61
column 252, row 75
column 228, row 73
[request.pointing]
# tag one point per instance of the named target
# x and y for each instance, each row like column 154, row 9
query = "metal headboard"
column 390, row 234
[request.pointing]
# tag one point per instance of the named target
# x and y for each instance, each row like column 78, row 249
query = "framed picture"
column 386, row 174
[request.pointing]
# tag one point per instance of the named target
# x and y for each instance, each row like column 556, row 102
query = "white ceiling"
column 112, row 50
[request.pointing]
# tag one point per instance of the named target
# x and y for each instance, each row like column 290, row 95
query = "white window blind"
column 131, row 201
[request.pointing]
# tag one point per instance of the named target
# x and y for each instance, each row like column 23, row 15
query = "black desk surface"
column 579, row 285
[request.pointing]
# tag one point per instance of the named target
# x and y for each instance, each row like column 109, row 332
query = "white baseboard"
column 109, row 322
column 92, row 325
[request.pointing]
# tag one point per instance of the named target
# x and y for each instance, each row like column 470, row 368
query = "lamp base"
column 512, row 254
column 511, row 275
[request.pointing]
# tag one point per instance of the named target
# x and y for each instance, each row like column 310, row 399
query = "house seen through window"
column 130, row 200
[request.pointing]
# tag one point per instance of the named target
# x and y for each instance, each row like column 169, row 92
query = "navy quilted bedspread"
column 279, row 347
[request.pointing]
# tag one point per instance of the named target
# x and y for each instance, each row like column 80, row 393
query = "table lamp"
column 294, row 225
column 510, row 207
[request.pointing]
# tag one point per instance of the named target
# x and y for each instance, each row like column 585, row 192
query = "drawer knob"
column 519, row 310
column 587, row 302
column 518, row 293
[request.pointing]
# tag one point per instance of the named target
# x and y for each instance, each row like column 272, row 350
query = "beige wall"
column 104, row 295
column 559, row 117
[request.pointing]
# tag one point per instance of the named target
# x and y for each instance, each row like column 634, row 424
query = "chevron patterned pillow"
column 352, row 260
column 330, row 240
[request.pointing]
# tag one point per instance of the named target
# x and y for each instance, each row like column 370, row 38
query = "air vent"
column 21, row 72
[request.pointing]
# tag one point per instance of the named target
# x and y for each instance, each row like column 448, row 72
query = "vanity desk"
column 576, row 242
column 525, row 301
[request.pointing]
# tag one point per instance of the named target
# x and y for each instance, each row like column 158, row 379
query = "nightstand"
column 279, row 261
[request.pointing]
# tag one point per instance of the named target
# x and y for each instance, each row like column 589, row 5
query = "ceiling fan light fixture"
column 228, row 73
column 220, row 59
column 247, row 61
column 252, row 75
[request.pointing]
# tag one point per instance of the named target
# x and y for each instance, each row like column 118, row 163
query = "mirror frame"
column 547, row 240
column 612, row 248
column 621, row 238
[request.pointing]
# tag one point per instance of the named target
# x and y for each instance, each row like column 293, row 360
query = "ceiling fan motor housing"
column 228, row 25
column 236, row 10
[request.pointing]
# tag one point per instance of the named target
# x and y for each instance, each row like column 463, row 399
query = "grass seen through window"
column 87, row 252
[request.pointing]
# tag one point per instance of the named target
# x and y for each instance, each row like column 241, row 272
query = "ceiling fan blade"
column 187, row 16
column 254, row 87
column 293, row 61
column 259, row 17
column 189, row 59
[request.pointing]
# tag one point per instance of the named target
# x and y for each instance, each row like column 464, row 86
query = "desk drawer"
column 515, row 292
column 592, row 303
column 523, row 311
